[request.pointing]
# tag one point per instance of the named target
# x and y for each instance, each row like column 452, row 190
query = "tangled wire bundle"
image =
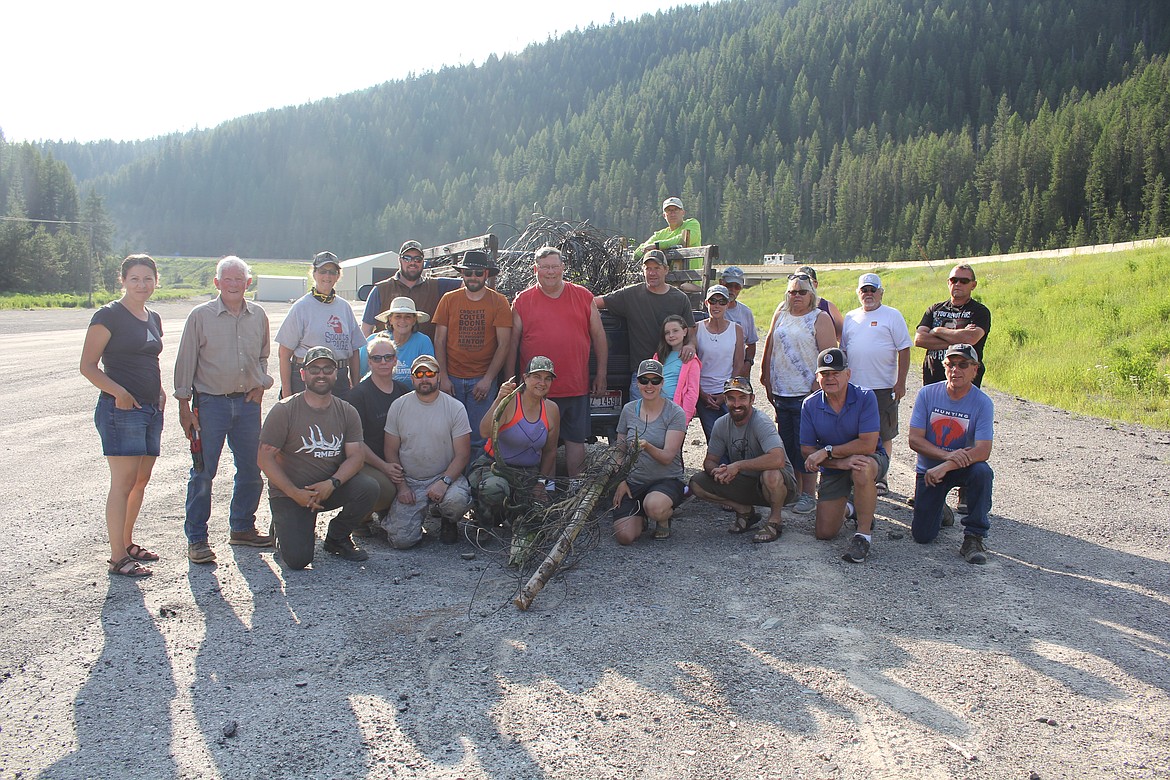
column 595, row 258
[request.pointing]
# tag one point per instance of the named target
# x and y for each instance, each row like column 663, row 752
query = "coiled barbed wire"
column 595, row 258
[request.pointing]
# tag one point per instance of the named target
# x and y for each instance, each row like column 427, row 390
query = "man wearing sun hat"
column 876, row 341
column 679, row 231
column 409, row 281
column 473, row 328
column 839, row 436
column 745, row 465
column 311, row 452
column 428, row 445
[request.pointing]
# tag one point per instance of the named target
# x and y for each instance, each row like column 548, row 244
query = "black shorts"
column 574, row 418
column 632, row 504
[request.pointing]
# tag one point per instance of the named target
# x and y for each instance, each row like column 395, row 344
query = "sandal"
column 128, row 567
column 662, row 531
column 140, row 553
column 883, row 487
column 769, row 532
column 744, row 523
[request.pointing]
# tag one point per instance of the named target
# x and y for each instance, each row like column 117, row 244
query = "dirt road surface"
column 701, row 657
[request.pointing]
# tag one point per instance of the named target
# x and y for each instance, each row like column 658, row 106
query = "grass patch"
column 1090, row 334
column 179, row 278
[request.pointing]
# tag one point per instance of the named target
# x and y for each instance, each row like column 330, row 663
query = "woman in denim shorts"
column 127, row 338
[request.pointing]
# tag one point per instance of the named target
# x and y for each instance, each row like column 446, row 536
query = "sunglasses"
column 412, row 258
column 321, row 370
column 962, row 365
column 798, row 292
column 328, row 272
column 718, row 299
column 868, row 289
column 960, row 280
column 425, row 373
column 804, row 277
column 474, row 273
column 383, row 358
column 649, row 380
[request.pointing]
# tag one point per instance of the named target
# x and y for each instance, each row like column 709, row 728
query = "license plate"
column 611, row 400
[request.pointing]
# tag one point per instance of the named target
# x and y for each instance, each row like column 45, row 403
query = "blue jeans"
column 238, row 422
column 929, row 500
column 788, row 424
column 475, row 409
column 707, row 417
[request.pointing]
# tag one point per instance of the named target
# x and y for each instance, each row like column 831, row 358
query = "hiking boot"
column 345, row 548
column 252, row 538
column 948, row 516
column 200, row 552
column 857, row 551
column 973, row 550
column 448, row 531
column 804, row 505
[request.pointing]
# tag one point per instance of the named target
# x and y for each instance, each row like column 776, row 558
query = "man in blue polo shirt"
column 839, row 436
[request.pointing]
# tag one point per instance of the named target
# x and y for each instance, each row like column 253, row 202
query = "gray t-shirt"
column 428, row 433
column 644, row 312
column 752, row 440
column 631, row 426
column 311, row 441
column 310, row 323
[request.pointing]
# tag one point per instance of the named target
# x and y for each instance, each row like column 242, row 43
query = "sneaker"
column 948, row 517
column 251, row 538
column 804, row 505
column 345, row 548
column 200, row 552
column 973, row 550
column 857, row 551
column 883, row 487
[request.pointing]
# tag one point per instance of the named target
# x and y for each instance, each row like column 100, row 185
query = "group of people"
column 428, row 432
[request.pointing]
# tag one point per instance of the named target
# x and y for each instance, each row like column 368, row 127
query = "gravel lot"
column 701, row 657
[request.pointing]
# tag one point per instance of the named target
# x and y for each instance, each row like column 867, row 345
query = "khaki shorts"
column 746, row 490
column 835, row 483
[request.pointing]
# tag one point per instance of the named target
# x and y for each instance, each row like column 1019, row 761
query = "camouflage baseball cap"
column 408, row 245
column 541, row 363
column 650, row 366
column 320, row 353
column 740, row 384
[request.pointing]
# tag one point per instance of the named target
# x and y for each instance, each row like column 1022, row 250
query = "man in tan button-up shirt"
column 223, row 366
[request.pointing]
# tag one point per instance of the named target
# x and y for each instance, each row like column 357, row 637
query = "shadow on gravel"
column 122, row 713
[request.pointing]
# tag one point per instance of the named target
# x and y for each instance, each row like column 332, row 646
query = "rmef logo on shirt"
column 318, row 445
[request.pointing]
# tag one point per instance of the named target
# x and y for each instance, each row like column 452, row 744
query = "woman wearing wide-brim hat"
column 403, row 319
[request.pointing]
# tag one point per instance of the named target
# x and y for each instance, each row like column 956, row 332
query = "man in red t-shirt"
column 557, row 319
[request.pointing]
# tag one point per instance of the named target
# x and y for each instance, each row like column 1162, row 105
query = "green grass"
column 179, row 277
column 1089, row 334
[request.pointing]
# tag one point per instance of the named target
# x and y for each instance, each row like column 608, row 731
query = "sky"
column 129, row 69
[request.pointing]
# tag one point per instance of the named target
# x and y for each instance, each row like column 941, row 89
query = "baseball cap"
column 654, row 256
column 541, row 363
column 649, row 366
column 733, row 274
column 427, row 361
column 320, row 353
column 324, row 258
column 740, row 384
column 671, row 202
column 962, row 350
column 717, row 289
column 831, row 359
column 870, row 280
column 408, row 245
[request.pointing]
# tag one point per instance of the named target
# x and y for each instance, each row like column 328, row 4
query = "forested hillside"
column 833, row 129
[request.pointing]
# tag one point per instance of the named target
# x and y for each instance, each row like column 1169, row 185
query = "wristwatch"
column 829, row 449
column 336, row 482
column 446, row 480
